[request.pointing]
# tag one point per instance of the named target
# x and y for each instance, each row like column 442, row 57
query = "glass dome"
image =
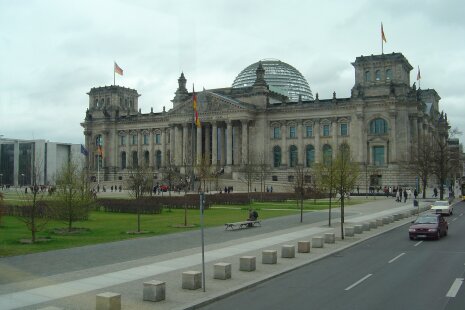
column 281, row 78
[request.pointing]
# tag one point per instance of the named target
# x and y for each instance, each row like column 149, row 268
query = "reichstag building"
column 269, row 112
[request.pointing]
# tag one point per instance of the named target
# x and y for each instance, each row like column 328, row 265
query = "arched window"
column 146, row 158
column 310, row 155
column 327, row 153
column 99, row 140
column 388, row 74
column 158, row 159
column 378, row 75
column 378, row 126
column 293, row 155
column 135, row 162
column 367, row 76
column 123, row 160
column 276, row 156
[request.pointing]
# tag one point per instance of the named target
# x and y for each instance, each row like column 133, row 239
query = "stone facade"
column 382, row 121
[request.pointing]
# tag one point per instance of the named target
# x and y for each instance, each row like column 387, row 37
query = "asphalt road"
column 386, row 272
column 74, row 259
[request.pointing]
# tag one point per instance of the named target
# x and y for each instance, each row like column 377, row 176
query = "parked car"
column 428, row 226
column 164, row 188
column 442, row 207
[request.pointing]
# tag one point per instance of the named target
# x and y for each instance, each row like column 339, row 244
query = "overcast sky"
column 53, row 52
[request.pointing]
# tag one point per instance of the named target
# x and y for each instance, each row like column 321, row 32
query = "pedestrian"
column 435, row 192
column 397, row 196
column 111, row 188
column 415, row 193
column 405, row 196
column 358, row 190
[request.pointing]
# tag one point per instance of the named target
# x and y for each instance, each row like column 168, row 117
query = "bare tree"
column 204, row 171
column 326, row 179
column 73, row 194
column 263, row 171
column 139, row 184
column 421, row 161
column 301, row 186
column 1, row 207
column 35, row 213
column 345, row 175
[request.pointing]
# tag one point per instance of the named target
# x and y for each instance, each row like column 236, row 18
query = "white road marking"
column 418, row 243
column 454, row 289
column 395, row 258
column 461, row 214
column 454, row 219
column 359, row 281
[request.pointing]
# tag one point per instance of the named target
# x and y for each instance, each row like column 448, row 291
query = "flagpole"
column 114, row 80
column 193, row 140
column 382, row 39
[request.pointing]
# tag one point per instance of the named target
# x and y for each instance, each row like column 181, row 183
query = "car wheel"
column 445, row 232
column 411, row 238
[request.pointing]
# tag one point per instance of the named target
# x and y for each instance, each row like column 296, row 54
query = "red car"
column 164, row 188
column 428, row 226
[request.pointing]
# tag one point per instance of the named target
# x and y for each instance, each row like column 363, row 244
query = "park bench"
column 240, row 225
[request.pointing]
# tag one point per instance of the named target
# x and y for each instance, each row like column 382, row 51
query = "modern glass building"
column 280, row 77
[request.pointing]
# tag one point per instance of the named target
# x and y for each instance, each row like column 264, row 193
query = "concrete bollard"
column 386, row 220
column 317, row 242
column 108, row 301
column 396, row 217
column 50, row 308
column 379, row 222
column 191, row 280
column 303, row 246
column 349, row 231
column 269, row 257
column 373, row 224
column 330, row 238
column 366, row 226
column 358, row 229
column 247, row 263
column 222, row 271
column 288, row 251
column 154, row 290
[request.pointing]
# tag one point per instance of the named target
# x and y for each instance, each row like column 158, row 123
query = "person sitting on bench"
column 253, row 216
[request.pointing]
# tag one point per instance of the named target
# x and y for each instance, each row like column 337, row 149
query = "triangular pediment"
column 208, row 101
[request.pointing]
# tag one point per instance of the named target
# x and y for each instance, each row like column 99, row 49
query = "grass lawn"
column 106, row 227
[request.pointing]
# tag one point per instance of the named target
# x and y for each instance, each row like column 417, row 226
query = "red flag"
column 418, row 74
column 383, row 37
column 194, row 105
column 118, row 69
column 100, row 150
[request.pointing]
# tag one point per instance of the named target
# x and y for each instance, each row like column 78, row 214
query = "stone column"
column 229, row 143
column 139, row 148
column 185, row 146
column 300, row 143
column 115, row 148
column 199, row 145
column 245, row 142
column 128, row 150
column 222, row 147
column 214, row 144
column 284, row 150
column 207, row 141
column 236, row 146
column 316, row 128
column 334, row 138
column 177, row 145
column 163, row 147
column 151, row 149
column 172, row 146
column 393, row 140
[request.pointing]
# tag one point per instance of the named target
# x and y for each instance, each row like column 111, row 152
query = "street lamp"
column 366, row 180
column 1, row 179
column 22, row 180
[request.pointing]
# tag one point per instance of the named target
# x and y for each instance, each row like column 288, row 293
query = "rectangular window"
column 122, row 140
column 274, row 178
column 344, row 130
column 146, row 139
column 133, row 139
column 378, row 155
column 325, row 130
column 292, row 132
column 276, row 133
column 309, row 131
column 290, row 178
column 158, row 138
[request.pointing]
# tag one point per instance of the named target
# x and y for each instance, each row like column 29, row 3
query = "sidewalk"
column 77, row 289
